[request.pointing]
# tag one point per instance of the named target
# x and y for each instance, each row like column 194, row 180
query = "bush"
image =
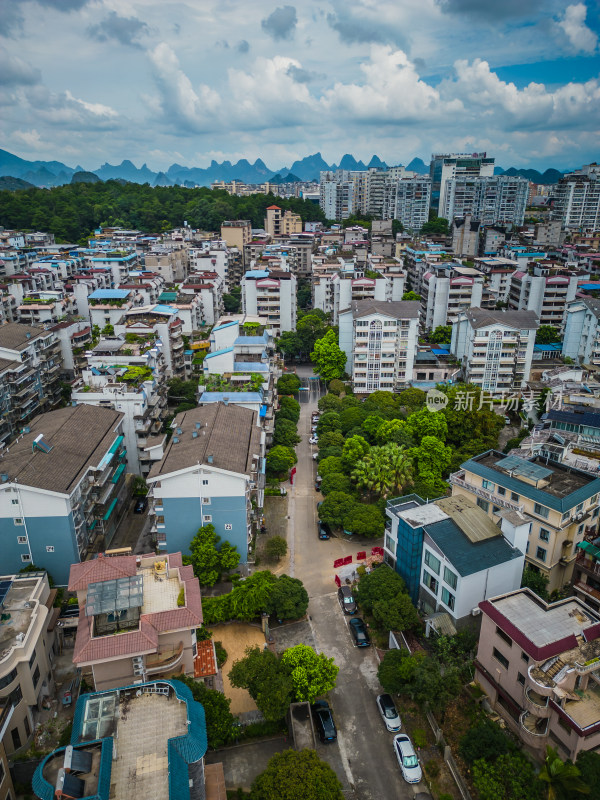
column 432, row 768
column 276, row 548
column 336, row 387
column 221, row 654
column 486, row 740
column 181, row 598
column 420, row 738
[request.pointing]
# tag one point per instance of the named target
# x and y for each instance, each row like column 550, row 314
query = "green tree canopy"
column 536, row 581
column 336, row 387
column 437, row 226
column 312, row 673
column 365, row 520
column 396, row 614
column 289, row 408
column 289, row 598
column 588, row 764
column 547, row 334
column 335, row 508
column 208, row 561
column 411, row 296
column 285, row 433
column 509, row 777
column 562, row 778
column 330, row 465
column 331, row 439
column 355, row 447
column 382, row 583
column 485, row 740
column 260, row 673
column 310, row 328
column 412, row 398
column 330, row 402
column 329, row 421
column 220, row 723
column 294, row 774
column 441, row 335
column 397, row 670
column 288, row 384
column 276, row 548
column 280, row 460
column 335, row 482
column 329, row 359
column 426, row 423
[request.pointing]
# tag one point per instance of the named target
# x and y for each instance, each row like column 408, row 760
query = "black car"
column 140, row 506
column 324, row 530
column 347, row 601
column 324, row 721
column 358, row 629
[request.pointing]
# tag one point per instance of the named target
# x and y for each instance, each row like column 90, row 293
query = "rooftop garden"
column 252, row 329
column 39, row 301
column 135, row 375
column 96, row 301
column 219, row 383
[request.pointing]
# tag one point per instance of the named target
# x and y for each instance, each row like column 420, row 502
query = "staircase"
column 555, row 668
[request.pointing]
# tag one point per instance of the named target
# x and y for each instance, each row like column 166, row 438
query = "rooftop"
column 482, row 318
column 399, row 309
column 19, row 605
column 15, row 336
column 79, row 436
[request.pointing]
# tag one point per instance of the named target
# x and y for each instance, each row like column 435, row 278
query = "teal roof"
column 537, row 495
column 219, row 352
column 466, row 556
column 45, row 790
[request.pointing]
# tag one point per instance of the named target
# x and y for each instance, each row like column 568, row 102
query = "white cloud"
column 97, row 109
column 581, row 38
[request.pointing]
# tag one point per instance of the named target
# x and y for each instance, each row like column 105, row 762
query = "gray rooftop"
column 543, row 626
column 15, row 336
column 593, row 304
column 228, row 437
column 520, row 320
column 80, row 436
column 397, row 309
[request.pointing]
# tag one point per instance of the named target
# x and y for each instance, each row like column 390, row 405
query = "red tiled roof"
column 270, row 208
column 88, row 649
column 100, row 569
column 205, row 663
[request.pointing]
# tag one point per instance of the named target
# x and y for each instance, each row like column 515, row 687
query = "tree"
column 206, row 558
column 310, row 328
column 252, row 596
column 260, row 673
column 395, row 431
column 397, row 669
column 220, row 723
column 288, row 384
column 276, row 548
column 382, row 584
column 382, row 469
column 485, row 740
column 350, row 416
column 437, row 226
column 336, row 387
column 330, row 465
column 232, row 302
column 441, row 335
column 329, row 359
column 355, row 447
column 562, row 779
column 138, row 486
column 412, row 398
column 509, row 777
column 285, row 433
column 396, row 614
column 288, row 344
column 335, row 482
column 289, row 598
column 331, row 439
column 335, row 508
column 280, row 460
column 588, row 764
column 295, row 774
column 289, row 408
column 329, row 452
column 312, row 673
column 330, row 421
column 547, row 334
column 411, row 296
column 536, row 581
column 330, row 402
column 365, row 520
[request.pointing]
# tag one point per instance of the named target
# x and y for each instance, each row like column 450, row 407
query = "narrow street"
column 363, row 756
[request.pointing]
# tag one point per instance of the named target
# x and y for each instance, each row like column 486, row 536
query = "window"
column 580, row 529
column 524, row 657
column 447, row 598
column 8, row 678
column 430, row 582
column 25, row 558
column 36, row 677
column 503, row 636
column 501, row 491
column 521, row 678
column 390, row 544
column 18, row 520
column 27, row 727
column 16, row 738
column 488, row 485
column 544, row 535
column 499, row 657
column 450, row 578
column 514, row 496
column 49, row 548
column 204, row 481
column 32, row 660
column 207, row 518
column 540, row 553
column 2, row 772
column 483, row 504
column 21, row 540
column 432, row 562
column 15, row 502
column 565, row 516
column 206, row 501
column 565, row 725
column 541, row 511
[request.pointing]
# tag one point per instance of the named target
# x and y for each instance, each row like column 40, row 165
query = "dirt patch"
column 276, row 524
column 235, row 638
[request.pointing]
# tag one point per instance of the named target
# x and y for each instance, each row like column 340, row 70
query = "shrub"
column 221, row 654
column 420, row 738
column 181, row 598
column 432, row 768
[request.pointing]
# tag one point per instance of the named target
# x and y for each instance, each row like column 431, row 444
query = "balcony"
column 534, row 730
column 457, row 479
column 164, row 660
column 588, row 565
column 536, row 703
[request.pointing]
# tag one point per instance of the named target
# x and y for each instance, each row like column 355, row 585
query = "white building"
column 465, row 236
column 545, row 290
column 495, row 348
column 407, row 200
column 446, row 290
column 447, row 166
column 335, row 291
column 577, row 200
column 380, row 342
column 497, row 200
column 271, row 294
column 582, row 331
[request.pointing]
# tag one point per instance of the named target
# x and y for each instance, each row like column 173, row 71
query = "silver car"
column 407, row 758
column 388, row 712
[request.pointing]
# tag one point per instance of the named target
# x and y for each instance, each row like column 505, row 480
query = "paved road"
column 363, row 757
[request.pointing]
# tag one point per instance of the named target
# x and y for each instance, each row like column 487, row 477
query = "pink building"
column 539, row 664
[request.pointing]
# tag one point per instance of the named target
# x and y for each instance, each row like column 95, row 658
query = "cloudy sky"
column 88, row 81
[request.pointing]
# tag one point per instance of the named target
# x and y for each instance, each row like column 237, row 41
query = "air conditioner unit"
column 138, row 661
column 579, row 516
column 138, row 671
column 475, row 612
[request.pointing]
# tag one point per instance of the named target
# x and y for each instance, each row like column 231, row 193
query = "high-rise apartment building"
column 445, row 166
column 493, row 200
column 577, row 199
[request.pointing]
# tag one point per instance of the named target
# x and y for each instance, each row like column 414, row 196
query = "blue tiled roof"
column 219, row 352
column 110, row 294
column 587, row 418
column 242, row 340
column 225, row 325
column 527, row 490
column 234, row 397
column 257, row 273
column 440, row 351
column 547, row 348
column 45, row 791
column 470, row 557
column 160, row 309
column 250, row 366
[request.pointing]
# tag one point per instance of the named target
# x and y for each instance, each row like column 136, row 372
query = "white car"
column 388, row 712
column 315, row 456
column 313, row 440
column 407, row 758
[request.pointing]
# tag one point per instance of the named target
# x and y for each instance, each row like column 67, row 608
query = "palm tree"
column 561, row 777
column 400, row 465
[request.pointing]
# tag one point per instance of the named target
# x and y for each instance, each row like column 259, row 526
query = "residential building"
column 494, row 238
column 143, row 741
column 118, row 263
column 538, row 665
column 26, row 639
column 465, row 236
column 156, row 323
column 544, row 289
column 30, row 363
column 271, row 294
column 46, row 308
column 407, row 199
column 451, row 555
column 7, row 790
column 586, row 575
column 559, row 500
column 282, row 223
column 497, row 200
column 133, row 625
column 74, row 339
column 495, row 348
column 240, row 350
column 336, row 194
column 106, row 306
column 380, row 342
column 333, row 291
column 63, row 488
column 207, row 473
column 448, row 289
column 446, row 166
column 172, row 263
column 236, row 233
column 548, row 234
column 582, row 331
column 577, row 201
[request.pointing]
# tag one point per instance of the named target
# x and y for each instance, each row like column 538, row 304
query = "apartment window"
column 488, row 485
column 432, row 562
column 204, row 481
column 206, row 501
column 390, row 544
column 544, row 535
column 565, row 516
column 32, row 660
column 27, row 727
column 21, row 540
column 483, row 504
column 16, row 738
column 521, row 678
column 514, row 496
column 524, row 657
column 580, row 529
column 36, row 677
column 18, row 520
column 207, row 518
column 7, row 679
column 540, row 554
column 541, row 511
column 593, row 500
column 447, row 598
column 450, row 578
column 499, row 657
column 430, row 582
column 501, row 491
column 15, row 502
column 25, row 558
column 160, row 520
column 503, row 636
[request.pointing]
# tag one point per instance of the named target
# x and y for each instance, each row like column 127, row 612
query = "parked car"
column 318, row 480
column 359, row 632
column 347, row 601
column 313, row 440
column 388, row 712
column 141, row 505
column 315, row 456
column 407, row 758
column 324, row 530
column 323, row 719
